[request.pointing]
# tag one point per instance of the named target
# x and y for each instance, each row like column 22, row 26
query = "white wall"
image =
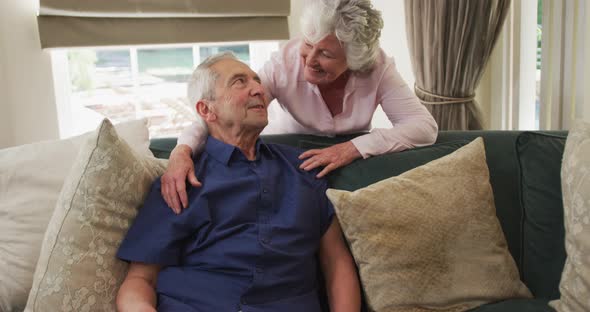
column 26, row 88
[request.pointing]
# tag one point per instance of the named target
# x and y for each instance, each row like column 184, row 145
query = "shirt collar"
column 223, row 152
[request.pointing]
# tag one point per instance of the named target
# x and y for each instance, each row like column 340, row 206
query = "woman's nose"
column 312, row 59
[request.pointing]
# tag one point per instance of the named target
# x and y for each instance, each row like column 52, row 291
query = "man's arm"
column 137, row 293
column 339, row 271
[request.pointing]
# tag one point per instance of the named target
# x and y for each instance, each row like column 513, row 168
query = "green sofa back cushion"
column 364, row 172
column 543, row 250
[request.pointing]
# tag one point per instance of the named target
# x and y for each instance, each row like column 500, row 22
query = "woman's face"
column 323, row 61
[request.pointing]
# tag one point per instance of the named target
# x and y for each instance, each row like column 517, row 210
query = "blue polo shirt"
column 246, row 242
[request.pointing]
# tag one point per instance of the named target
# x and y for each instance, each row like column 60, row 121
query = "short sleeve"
column 157, row 234
column 326, row 207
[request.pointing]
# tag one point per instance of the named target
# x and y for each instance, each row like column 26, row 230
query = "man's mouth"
column 258, row 106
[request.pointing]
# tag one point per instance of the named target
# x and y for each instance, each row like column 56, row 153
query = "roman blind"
column 80, row 23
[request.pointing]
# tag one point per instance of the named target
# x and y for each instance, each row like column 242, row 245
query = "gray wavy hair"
column 201, row 85
column 354, row 22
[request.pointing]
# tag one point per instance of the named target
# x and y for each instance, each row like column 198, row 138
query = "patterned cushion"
column 31, row 177
column 575, row 184
column 429, row 239
column 77, row 268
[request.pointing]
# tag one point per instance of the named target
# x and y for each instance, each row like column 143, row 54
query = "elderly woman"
column 327, row 83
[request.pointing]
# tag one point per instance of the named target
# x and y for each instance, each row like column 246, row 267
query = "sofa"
column 61, row 183
column 525, row 177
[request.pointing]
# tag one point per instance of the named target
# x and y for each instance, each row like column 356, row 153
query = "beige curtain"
column 79, row 23
column 450, row 42
column 563, row 78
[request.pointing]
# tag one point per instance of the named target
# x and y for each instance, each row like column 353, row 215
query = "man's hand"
column 180, row 168
column 331, row 158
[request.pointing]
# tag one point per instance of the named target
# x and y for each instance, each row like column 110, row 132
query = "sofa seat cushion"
column 516, row 305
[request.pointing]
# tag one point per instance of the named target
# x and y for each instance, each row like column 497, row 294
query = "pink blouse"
column 302, row 109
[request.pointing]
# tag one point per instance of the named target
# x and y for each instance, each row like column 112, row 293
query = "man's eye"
column 239, row 81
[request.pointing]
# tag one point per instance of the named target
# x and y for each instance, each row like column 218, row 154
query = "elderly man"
column 248, row 241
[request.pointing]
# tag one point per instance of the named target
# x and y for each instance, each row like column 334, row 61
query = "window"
column 515, row 70
column 136, row 82
column 538, row 69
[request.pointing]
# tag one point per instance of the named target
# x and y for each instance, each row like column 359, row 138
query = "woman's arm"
column 137, row 293
column 181, row 166
column 412, row 123
column 339, row 271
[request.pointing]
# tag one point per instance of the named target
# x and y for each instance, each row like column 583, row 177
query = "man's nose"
column 257, row 89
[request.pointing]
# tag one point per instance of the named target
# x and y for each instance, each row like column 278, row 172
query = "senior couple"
column 257, row 219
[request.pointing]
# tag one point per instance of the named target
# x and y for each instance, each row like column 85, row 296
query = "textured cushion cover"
column 575, row 180
column 77, row 269
column 31, row 177
column 517, row 305
column 429, row 239
column 543, row 251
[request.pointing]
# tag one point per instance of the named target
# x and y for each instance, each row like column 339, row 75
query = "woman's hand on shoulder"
column 330, row 158
column 180, row 168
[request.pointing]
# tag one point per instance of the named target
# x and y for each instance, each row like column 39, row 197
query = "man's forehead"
column 228, row 67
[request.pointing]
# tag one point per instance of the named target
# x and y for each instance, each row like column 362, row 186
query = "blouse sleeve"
column 412, row 123
column 195, row 136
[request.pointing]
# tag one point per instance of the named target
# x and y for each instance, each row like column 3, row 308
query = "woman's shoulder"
column 383, row 64
column 383, row 61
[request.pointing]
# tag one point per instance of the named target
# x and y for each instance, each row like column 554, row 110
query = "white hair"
column 354, row 22
column 201, row 85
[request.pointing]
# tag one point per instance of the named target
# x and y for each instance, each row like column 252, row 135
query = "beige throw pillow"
column 429, row 239
column 575, row 185
column 77, row 268
column 31, row 177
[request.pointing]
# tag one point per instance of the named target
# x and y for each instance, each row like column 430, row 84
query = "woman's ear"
column 204, row 110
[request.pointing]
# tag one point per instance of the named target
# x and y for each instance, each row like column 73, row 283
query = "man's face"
column 240, row 102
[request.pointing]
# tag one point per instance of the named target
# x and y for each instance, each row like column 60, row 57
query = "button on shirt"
column 246, row 242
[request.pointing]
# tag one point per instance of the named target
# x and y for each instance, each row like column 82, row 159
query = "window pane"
column 538, row 71
column 164, row 65
column 132, row 83
column 100, row 81
column 241, row 51
column 91, row 69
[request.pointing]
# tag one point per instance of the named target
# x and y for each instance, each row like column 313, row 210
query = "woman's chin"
column 314, row 77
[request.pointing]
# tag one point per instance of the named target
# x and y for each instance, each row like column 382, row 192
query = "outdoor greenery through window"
column 143, row 82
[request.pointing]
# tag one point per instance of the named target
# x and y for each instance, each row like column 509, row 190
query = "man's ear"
column 205, row 111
